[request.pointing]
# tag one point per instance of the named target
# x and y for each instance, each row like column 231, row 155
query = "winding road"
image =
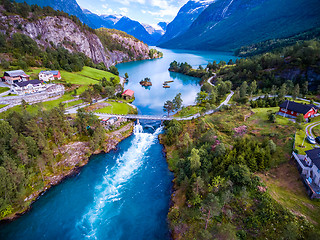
column 150, row 117
column 310, row 127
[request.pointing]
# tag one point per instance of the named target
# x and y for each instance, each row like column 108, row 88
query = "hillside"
column 227, row 25
column 51, row 29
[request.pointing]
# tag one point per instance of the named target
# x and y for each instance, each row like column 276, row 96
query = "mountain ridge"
column 229, row 24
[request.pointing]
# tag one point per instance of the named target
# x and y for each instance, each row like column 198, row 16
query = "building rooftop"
column 296, row 107
column 25, row 83
column 15, row 73
column 128, row 92
column 46, row 72
column 54, row 72
column 314, row 155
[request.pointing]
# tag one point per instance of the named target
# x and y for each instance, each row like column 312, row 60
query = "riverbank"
column 76, row 155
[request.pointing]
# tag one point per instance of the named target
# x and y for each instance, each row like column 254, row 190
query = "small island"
column 146, row 82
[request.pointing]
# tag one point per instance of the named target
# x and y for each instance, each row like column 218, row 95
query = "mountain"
column 163, row 25
column 69, row 6
column 229, row 24
column 156, row 32
column 96, row 20
column 54, row 30
column 185, row 17
column 135, row 29
column 124, row 24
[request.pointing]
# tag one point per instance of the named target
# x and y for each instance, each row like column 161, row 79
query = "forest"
column 218, row 194
column 30, row 150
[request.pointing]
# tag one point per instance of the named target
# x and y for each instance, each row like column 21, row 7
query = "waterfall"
column 226, row 9
column 109, row 191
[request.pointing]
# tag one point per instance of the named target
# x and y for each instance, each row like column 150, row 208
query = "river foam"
column 109, row 191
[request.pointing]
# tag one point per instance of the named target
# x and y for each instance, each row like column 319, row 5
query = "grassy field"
column 4, row 89
column 45, row 105
column 188, row 111
column 82, row 79
column 301, row 137
column 86, row 77
column 286, row 187
column 115, row 108
column 3, row 105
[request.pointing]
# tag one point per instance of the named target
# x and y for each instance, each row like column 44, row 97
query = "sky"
column 145, row 11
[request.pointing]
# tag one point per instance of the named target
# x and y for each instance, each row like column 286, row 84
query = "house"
column 292, row 109
column 128, row 94
column 27, row 87
column 46, row 76
column 309, row 168
column 15, row 76
column 56, row 74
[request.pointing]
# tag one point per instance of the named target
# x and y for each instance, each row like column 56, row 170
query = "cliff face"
column 61, row 31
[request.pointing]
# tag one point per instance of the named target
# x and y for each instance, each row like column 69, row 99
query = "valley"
column 159, row 119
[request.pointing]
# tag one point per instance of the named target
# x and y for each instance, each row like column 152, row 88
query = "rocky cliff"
column 61, row 31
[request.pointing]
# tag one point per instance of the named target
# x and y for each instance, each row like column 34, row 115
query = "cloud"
column 123, row 10
column 128, row 2
column 172, row 11
column 105, row 6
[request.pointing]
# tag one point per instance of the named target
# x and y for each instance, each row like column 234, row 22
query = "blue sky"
column 144, row 11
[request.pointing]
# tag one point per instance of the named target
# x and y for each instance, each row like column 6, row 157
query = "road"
column 287, row 96
column 150, row 117
column 310, row 127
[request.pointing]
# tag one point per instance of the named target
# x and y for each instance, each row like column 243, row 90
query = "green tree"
column 177, row 102
column 194, row 159
column 296, row 91
column 126, row 75
column 243, row 89
column 202, row 97
column 168, row 107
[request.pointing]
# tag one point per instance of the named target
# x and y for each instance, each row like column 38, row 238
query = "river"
column 124, row 194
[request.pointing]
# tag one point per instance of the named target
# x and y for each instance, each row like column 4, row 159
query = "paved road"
column 287, row 96
column 150, row 117
column 310, row 127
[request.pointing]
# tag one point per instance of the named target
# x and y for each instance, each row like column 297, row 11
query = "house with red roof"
column 292, row 109
column 128, row 94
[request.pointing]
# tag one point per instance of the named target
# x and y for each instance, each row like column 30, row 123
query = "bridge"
column 74, row 109
column 132, row 116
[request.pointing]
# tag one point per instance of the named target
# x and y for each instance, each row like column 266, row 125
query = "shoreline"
column 84, row 154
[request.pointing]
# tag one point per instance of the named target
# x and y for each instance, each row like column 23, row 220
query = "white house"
column 15, row 76
column 309, row 167
column 27, row 87
column 46, row 76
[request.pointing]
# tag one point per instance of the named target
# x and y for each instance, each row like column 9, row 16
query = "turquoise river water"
column 124, row 194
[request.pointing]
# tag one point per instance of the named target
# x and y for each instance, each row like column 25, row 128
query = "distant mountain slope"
column 135, row 29
column 230, row 24
column 124, row 24
column 185, row 17
column 96, row 20
column 69, row 6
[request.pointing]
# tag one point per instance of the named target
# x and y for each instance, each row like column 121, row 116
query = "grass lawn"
column 44, row 105
column 3, row 105
column 4, row 89
column 188, row 111
column 86, row 77
column 301, row 135
column 115, row 108
column 286, row 187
